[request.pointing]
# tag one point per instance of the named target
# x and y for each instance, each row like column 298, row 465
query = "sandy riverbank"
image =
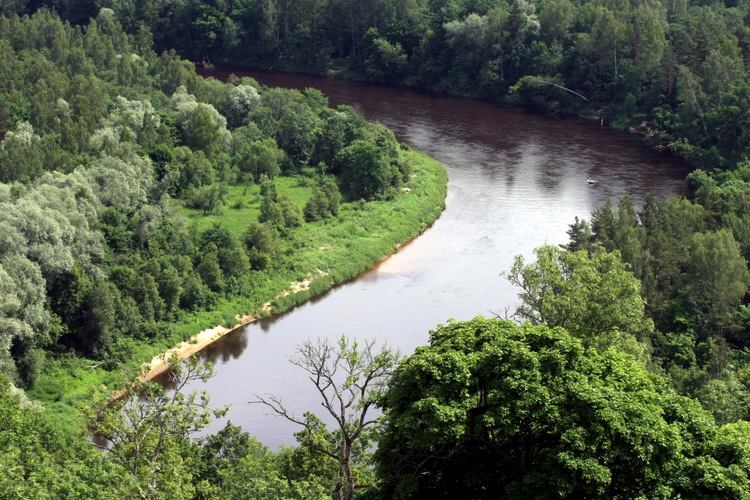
column 195, row 344
column 201, row 340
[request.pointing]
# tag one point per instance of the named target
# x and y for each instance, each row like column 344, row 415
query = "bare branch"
column 349, row 377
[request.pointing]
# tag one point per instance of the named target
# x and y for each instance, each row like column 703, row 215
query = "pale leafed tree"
column 242, row 100
column 23, row 316
column 193, row 116
column 120, row 184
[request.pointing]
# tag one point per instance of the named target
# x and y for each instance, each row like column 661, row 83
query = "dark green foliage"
column 323, row 203
column 491, row 409
column 284, row 116
column 223, row 450
column 203, row 133
column 581, row 237
column 115, row 230
column 365, row 171
column 270, row 211
column 669, row 251
column 262, row 244
column 694, row 278
column 96, row 333
column 256, row 158
column 20, row 155
column 209, row 269
column 677, row 67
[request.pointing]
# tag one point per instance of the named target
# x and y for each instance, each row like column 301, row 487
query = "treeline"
column 674, row 70
column 108, row 150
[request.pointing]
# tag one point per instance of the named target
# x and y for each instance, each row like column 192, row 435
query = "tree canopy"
column 492, row 409
column 592, row 296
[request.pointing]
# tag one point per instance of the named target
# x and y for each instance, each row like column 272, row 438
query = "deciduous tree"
column 349, row 379
column 144, row 431
column 593, row 296
column 491, row 409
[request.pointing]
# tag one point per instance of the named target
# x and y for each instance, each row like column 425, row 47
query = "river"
column 517, row 180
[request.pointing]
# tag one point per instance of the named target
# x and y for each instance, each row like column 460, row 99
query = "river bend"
column 517, row 180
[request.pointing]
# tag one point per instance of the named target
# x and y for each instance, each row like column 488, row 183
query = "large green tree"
column 39, row 460
column 593, row 296
column 146, row 436
column 491, row 409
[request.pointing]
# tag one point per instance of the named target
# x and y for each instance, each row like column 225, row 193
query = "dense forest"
column 674, row 70
column 140, row 201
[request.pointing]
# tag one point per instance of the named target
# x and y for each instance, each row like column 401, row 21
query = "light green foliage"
column 726, row 398
column 20, row 154
column 242, row 100
column 39, row 461
column 24, row 319
column 23, row 296
column 49, row 227
column 203, row 127
column 491, row 409
column 719, row 278
column 256, row 475
column 121, row 184
column 145, row 432
column 594, row 296
column 133, row 120
column 259, row 473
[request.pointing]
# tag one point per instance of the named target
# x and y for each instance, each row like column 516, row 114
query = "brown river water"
column 517, row 180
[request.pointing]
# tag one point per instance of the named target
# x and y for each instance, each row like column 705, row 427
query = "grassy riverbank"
column 315, row 257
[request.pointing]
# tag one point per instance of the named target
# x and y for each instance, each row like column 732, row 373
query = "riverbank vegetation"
column 142, row 203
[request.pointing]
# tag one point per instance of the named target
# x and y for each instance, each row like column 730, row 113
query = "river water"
column 517, row 180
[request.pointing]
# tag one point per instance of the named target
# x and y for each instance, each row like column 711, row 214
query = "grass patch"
column 249, row 199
